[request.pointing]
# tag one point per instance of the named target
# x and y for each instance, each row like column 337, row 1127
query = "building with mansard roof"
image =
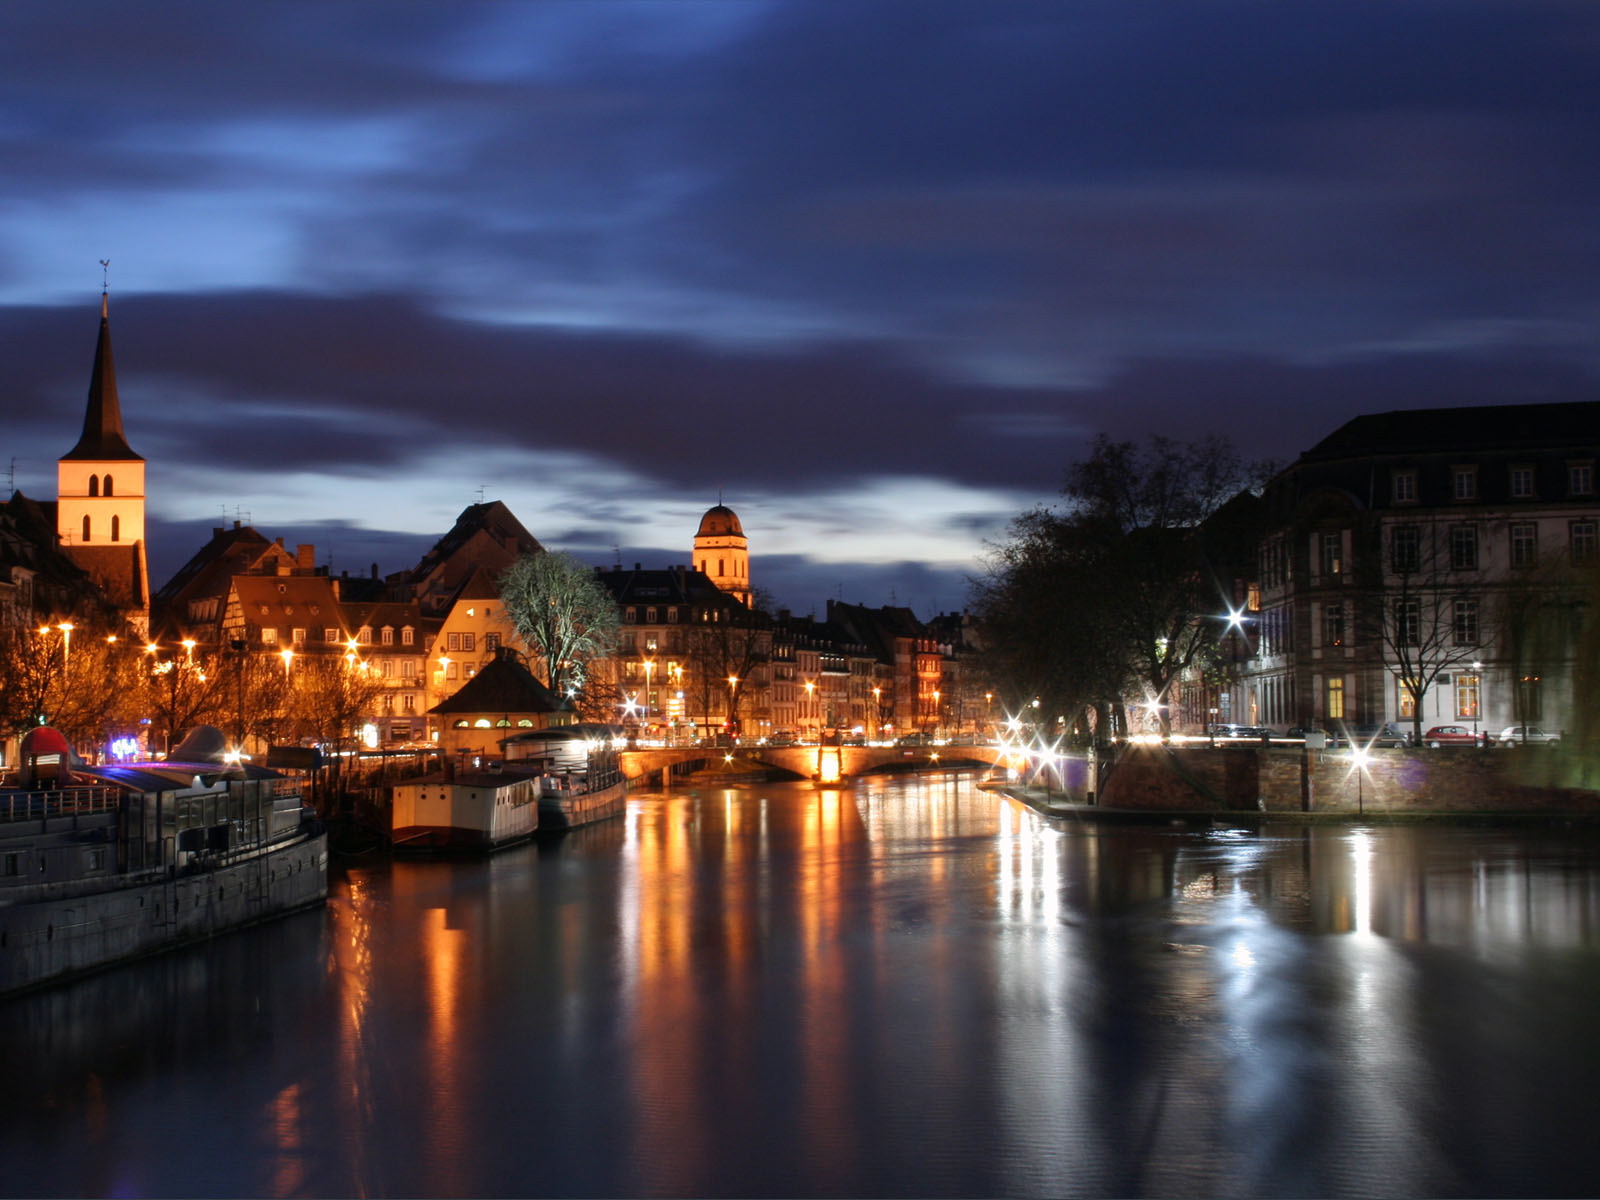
column 1428, row 566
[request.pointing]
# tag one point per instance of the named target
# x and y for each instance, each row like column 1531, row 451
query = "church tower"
column 722, row 552
column 100, row 494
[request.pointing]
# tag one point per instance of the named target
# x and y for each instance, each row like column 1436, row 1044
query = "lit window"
column 1330, row 553
column 331, row 635
column 1468, row 690
column 1336, row 699
column 297, row 636
column 1333, row 625
column 269, row 636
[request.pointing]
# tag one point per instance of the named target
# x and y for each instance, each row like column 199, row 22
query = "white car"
column 1516, row 735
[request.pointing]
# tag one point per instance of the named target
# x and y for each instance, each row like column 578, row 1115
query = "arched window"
column 86, row 528
column 94, row 485
column 108, row 485
column 116, row 528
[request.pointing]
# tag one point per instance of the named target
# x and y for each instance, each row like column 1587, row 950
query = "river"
column 903, row 988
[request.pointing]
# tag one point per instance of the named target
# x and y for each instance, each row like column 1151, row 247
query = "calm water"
column 904, row 989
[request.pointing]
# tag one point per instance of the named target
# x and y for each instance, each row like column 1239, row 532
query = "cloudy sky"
column 874, row 273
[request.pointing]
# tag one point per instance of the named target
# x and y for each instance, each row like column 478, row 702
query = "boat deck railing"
column 31, row 806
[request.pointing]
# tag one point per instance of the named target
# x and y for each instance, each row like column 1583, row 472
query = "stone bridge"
column 805, row 762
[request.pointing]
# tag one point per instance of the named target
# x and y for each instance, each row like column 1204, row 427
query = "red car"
column 1451, row 735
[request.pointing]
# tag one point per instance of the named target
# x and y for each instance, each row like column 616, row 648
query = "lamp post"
column 811, row 707
column 877, row 711
column 649, row 669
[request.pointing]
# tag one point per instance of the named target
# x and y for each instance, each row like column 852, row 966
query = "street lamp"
column 288, row 657
column 649, row 669
column 66, row 645
column 877, row 711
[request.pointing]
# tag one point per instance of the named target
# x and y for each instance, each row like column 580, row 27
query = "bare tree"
column 566, row 615
column 1426, row 609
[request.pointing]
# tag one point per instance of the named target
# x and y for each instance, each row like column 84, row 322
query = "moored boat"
column 100, row 865
column 474, row 811
column 581, row 779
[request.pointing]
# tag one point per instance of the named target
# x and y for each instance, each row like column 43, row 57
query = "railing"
column 32, row 806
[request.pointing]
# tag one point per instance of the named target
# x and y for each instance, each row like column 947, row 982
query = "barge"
column 102, row 865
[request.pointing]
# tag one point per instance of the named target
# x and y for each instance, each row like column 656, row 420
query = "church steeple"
column 100, row 497
column 103, row 439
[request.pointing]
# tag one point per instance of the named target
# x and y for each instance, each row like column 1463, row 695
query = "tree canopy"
column 565, row 614
column 1109, row 599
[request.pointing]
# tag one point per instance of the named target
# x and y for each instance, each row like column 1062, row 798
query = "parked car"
column 783, row 737
column 1253, row 732
column 1387, row 736
column 913, row 739
column 1298, row 732
column 1452, row 735
column 1516, row 735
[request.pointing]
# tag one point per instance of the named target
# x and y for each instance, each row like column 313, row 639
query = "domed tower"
column 722, row 552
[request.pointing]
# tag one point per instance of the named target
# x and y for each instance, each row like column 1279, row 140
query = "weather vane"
column 105, row 274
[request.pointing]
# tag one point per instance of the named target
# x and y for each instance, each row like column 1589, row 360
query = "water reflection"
column 911, row 987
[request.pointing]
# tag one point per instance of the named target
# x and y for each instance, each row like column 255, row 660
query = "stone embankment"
column 1153, row 780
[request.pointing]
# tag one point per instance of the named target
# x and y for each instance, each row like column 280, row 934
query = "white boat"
column 480, row 810
column 580, row 779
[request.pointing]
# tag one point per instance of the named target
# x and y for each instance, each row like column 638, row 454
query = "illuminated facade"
column 1458, row 547
column 100, row 495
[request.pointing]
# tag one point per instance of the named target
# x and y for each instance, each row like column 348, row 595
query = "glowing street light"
column 288, row 658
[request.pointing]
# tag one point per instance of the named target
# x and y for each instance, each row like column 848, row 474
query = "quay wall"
column 1289, row 779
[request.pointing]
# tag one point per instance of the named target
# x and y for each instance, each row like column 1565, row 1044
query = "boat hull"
column 53, row 932
column 563, row 810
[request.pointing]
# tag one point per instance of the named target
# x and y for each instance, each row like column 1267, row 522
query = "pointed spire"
column 102, row 438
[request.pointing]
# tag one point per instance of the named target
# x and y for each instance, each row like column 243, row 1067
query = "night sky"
column 874, row 273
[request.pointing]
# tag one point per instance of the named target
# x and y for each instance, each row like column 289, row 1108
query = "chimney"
column 305, row 556
column 374, row 570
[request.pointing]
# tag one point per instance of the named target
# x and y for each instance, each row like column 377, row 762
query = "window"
column 1466, row 622
column 1464, row 483
column 1407, row 622
column 1524, row 543
column 1333, row 625
column 387, row 635
column 94, row 485
column 364, row 636
column 672, row 616
column 116, row 528
column 1522, row 482
column 631, row 616
column 408, row 704
column 108, row 485
column 452, row 641
column 1336, row 699
column 331, row 635
column 650, row 616
column 1580, row 478
column 386, row 668
column 491, row 642
column 1406, row 698
column 1583, row 541
column 269, row 636
column 407, row 636
column 1330, row 553
column 453, row 671
column 1405, row 487
column 85, row 528
column 408, row 668
column 1405, row 546
column 1468, row 690
column 1463, row 547
column 297, row 636
column 1530, row 698
column 13, row 864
